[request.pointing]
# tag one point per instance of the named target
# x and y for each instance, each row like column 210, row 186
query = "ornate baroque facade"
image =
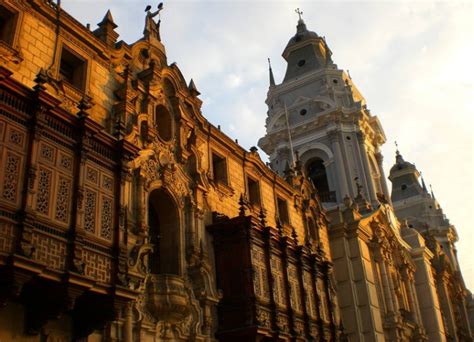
column 126, row 216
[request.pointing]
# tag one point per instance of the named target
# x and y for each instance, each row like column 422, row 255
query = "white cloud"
column 233, row 81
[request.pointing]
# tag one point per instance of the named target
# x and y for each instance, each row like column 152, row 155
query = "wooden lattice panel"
column 264, row 317
column 12, row 153
column 310, row 301
column 323, row 309
column 261, row 287
column 97, row 266
column 299, row 327
column 279, row 281
column 54, row 189
column 7, row 237
column 99, row 201
column 49, row 251
column 295, row 297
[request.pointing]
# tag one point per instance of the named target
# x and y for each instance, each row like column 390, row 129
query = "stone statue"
column 152, row 29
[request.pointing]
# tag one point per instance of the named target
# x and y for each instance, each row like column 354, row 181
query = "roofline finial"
column 423, row 183
column 272, row 79
column 432, row 193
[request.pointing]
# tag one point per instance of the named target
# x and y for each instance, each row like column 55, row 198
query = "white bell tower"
column 318, row 112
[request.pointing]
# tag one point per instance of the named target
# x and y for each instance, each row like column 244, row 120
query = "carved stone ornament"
column 169, row 303
column 137, row 260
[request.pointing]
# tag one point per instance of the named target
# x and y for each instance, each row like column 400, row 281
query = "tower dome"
column 305, row 52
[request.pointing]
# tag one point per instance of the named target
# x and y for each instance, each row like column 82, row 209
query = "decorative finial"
column 432, row 193
column 242, row 204
column 279, row 227
column 294, row 235
column 262, row 218
column 299, row 12
column 272, row 79
column 396, row 146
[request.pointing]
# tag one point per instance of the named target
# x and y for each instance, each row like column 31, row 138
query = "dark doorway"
column 163, row 221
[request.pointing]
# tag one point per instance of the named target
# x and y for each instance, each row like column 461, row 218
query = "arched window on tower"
column 316, row 171
column 163, row 221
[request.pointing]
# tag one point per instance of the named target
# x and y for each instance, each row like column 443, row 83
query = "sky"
column 412, row 61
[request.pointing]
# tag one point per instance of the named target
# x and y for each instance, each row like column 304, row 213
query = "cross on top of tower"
column 397, row 152
column 300, row 13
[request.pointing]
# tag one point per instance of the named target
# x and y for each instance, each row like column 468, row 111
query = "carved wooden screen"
column 54, row 192
column 98, row 201
column 247, row 304
column 13, row 142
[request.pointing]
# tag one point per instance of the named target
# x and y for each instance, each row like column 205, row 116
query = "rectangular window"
column 283, row 211
column 219, row 169
column 72, row 69
column 253, row 191
column 7, row 25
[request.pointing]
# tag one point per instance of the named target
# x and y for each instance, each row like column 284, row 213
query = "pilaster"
column 343, row 190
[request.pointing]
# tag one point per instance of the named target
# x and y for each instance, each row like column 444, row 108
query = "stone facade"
column 396, row 272
column 126, row 216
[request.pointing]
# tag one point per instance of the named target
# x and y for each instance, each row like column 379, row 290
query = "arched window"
column 317, row 173
column 164, row 122
column 163, row 221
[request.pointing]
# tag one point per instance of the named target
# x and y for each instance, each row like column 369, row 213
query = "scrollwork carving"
column 138, row 255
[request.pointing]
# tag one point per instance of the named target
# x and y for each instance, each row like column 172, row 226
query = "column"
column 128, row 326
column 342, row 190
column 385, row 285
column 368, row 175
column 416, row 304
column 446, row 305
column 408, row 281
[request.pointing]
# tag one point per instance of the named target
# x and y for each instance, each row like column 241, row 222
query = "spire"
column 272, row 79
column 192, row 88
column 432, row 193
column 399, row 159
column 106, row 31
column 107, row 19
column 423, row 183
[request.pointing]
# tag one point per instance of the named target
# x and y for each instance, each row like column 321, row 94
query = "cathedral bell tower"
column 318, row 112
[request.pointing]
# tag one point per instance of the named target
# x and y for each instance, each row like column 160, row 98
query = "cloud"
column 233, row 81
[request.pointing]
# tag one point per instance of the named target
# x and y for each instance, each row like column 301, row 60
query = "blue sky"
column 411, row 60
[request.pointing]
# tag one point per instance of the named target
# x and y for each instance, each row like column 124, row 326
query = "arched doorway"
column 317, row 173
column 163, row 220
